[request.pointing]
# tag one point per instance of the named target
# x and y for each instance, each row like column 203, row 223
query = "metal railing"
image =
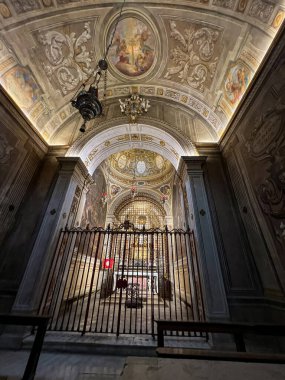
column 120, row 280
column 41, row 322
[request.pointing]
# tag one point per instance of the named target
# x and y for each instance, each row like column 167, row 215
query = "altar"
column 148, row 281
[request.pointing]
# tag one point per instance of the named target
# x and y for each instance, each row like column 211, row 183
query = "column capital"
column 69, row 164
column 75, row 166
column 194, row 163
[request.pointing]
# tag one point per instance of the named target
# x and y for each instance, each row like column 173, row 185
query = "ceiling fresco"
column 194, row 61
column 134, row 48
column 148, row 171
column 139, row 163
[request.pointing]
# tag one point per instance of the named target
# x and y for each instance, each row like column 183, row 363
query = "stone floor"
column 63, row 366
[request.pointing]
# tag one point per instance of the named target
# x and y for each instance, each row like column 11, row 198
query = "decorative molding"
column 68, row 61
column 23, row 121
column 196, row 57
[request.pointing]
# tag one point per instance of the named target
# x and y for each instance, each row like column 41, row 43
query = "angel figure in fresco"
column 236, row 84
column 132, row 56
column 122, row 52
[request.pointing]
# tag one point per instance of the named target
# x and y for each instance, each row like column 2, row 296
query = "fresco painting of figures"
column 21, row 85
column 133, row 49
column 237, row 80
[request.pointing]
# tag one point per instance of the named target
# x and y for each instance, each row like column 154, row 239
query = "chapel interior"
column 170, row 202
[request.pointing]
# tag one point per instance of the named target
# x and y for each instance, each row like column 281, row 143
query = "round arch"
column 94, row 148
column 147, row 198
column 124, row 197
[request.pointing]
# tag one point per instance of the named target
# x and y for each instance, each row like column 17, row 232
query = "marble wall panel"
column 256, row 150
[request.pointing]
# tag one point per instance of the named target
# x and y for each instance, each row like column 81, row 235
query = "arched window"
column 142, row 212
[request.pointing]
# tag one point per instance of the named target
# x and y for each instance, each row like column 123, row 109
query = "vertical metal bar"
column 117, row 258
column 99, row 255
column 82, row 296
column 158, row 271
column 89, row 255
column 77, row 278
column 152, row 284
column 141, row 295
column 137, row 279
column 128, row 258
column 107, row 272
column 112, row 256
column 240, row 345
column 73, row 284
column 177, row 235
column 55, row 277
column 77, row 236
column 187, row 272
column 173, row 274
column 63, row 270
column 133, row 270
column 92, row 280
column 118, row 274
column 163, row 275
column 48, row 299
column 198, row 282
column 193, row 289
column 148, row 283
column 121, row 290
column 31, row 367
column 52, row 267
column 103, row 271
column 160, row 337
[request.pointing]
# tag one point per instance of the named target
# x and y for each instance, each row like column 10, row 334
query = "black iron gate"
column 121, row 280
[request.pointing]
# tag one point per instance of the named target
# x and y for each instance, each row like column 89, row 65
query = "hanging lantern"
column 86, row 100
column 88, row 105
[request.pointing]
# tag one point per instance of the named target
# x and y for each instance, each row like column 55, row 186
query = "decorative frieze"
column 67, row 59
column 195, row 56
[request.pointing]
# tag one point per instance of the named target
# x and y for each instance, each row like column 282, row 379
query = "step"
column 109, row 344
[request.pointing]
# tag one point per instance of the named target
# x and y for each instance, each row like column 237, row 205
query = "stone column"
column 64, row 202
column 211, row 275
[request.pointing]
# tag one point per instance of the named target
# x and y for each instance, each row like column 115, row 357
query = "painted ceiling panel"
column 195, row 59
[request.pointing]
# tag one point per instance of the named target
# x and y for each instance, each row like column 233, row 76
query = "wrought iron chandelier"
column 134, row 106
column 86, row 100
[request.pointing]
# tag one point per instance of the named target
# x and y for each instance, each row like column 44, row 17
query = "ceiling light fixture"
column 86, row 99
column 134, row 106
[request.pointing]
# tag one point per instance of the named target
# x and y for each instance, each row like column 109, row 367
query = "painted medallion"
column 237, row 80
column 133, row 49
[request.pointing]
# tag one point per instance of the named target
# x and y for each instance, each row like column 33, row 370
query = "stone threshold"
column 109, row 344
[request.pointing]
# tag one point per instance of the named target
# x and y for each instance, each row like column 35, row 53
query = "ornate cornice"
column 19, row 117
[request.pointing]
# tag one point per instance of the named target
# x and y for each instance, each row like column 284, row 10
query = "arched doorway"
column 121, row 277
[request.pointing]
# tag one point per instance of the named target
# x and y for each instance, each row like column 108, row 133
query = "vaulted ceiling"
column 193, row 59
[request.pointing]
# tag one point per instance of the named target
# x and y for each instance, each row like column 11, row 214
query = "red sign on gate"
column 108, row 263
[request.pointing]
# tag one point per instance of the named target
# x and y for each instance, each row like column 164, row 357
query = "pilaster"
column 212, row 280
column 65, row 201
